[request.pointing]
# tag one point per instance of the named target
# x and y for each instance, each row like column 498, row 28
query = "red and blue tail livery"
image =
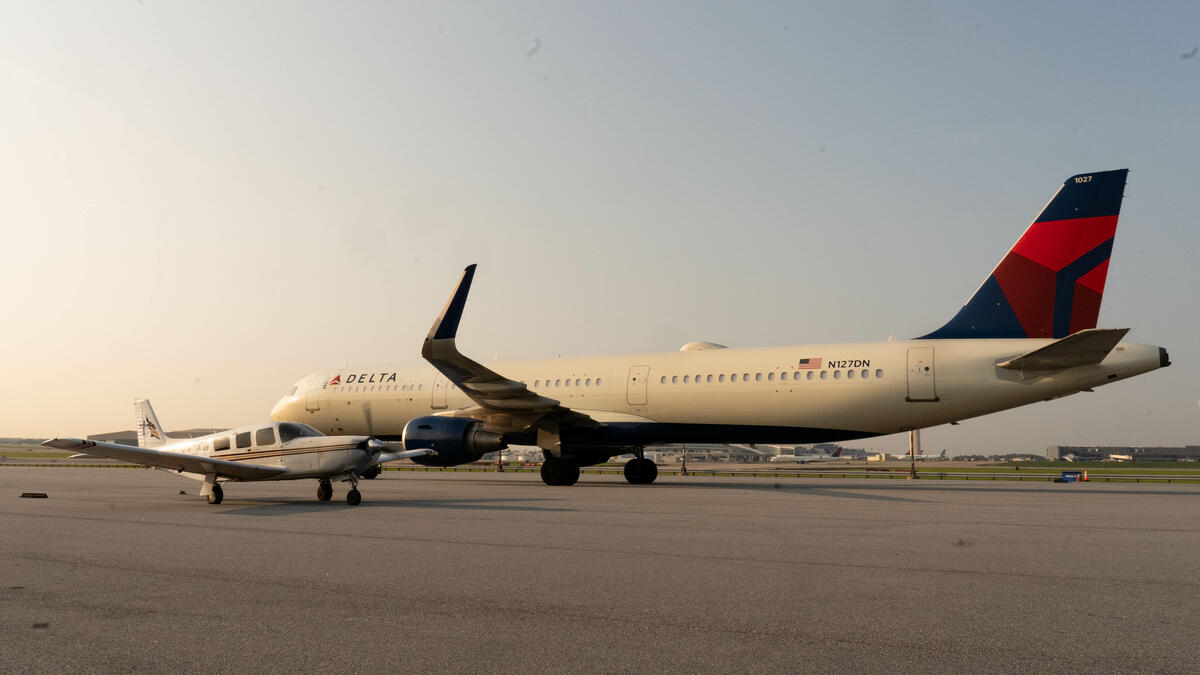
column 1051, row 282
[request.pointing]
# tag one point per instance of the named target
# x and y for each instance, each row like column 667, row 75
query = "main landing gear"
column 640, row 471
column 557, row 471
column 215, row 495
column 325, row 492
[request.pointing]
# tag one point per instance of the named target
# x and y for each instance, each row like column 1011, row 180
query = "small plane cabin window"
column 879, row 373
column 264, row 436
column 242, row 440
column 221, row 444
column 291, row 430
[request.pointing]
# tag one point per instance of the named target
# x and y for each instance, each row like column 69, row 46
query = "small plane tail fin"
column 150, row 432
column 1050, row 284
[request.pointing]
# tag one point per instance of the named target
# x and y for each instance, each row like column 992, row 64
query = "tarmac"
column 468, row 572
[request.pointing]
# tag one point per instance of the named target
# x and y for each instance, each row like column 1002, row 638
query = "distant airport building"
column 1086, row 453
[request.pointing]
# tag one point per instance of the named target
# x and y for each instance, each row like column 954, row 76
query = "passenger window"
column 879, row 373
column 220, row 444
column 708, row 379
column 770, row 377
column 588, row 382
column 558, row 383
column 866, row 373
column 721, row 377
column 697, row 379
column 597, row 382
column 687, row 378
column 810, row 374
column 242, row 440
column 577, row 381
column 824, row 374
column 568, row 383
column 662, row 380
column 837, row 374
column 264, row 436
column 745, row 377
column 849, row 374
column 674, row 379
column 758, row 377
column 537, row 383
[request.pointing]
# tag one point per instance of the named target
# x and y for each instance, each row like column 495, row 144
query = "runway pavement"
column 116, row 571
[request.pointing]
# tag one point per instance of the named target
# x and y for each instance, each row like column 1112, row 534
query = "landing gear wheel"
column 372, row 472
column 640, row 471
column 559, row 472
column 353, row 497
column 324, row 491
column 216, row 495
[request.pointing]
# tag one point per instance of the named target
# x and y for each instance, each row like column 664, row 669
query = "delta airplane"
column 271, row 451
column 1028, row 334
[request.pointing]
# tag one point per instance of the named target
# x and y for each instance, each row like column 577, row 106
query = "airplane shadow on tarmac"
column 890, row 489
column 280, row 507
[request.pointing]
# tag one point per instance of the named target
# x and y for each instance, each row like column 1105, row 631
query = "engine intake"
column 457, row 440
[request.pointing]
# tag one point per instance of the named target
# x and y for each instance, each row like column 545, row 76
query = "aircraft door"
column 921, row 375
column 440, row 387
column 638, row 379
column 312, row 398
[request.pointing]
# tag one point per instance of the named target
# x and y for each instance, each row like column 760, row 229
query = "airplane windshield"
column 290, row 430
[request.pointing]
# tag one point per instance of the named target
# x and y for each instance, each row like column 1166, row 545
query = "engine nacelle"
column 457, row 440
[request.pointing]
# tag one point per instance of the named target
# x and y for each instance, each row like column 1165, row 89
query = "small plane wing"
column 406, row 454
column 497, row 396
column 1085, row 348
column 168, row 460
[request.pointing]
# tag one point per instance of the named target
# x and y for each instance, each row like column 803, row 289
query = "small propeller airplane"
column 268, row 451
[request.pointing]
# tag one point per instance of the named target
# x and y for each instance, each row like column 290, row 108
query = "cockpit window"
column 291, row 430
column 264, row 436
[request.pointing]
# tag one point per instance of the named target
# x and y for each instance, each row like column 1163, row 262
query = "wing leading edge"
column 168, row 460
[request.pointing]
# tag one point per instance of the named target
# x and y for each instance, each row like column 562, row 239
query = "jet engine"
column 457, row 440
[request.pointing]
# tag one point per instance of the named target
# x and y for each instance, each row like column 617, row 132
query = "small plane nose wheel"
column 353, row 497
column 324, row 490
column 215, row 495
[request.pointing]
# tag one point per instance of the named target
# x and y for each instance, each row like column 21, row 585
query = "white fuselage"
column 304, row 457
column 795, row 394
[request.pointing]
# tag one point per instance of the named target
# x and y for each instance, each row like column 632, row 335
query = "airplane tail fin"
column 150, row 432
column 1051, row 282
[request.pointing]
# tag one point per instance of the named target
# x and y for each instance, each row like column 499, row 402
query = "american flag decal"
column 809, row 364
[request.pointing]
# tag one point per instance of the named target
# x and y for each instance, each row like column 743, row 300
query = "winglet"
column 446, row 325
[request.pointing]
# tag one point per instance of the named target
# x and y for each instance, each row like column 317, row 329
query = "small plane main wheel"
column 324, row 491
column 372, row 472
column 216, row 495
column 353, row 497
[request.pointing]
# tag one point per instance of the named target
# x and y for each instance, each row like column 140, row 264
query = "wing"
column 504, row 404
column 393, row 456
column 168, row 460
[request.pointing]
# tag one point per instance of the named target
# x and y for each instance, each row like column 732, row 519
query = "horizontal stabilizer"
column 1085, row 348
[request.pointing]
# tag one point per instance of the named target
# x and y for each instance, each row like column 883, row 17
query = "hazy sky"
column 202, row 202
